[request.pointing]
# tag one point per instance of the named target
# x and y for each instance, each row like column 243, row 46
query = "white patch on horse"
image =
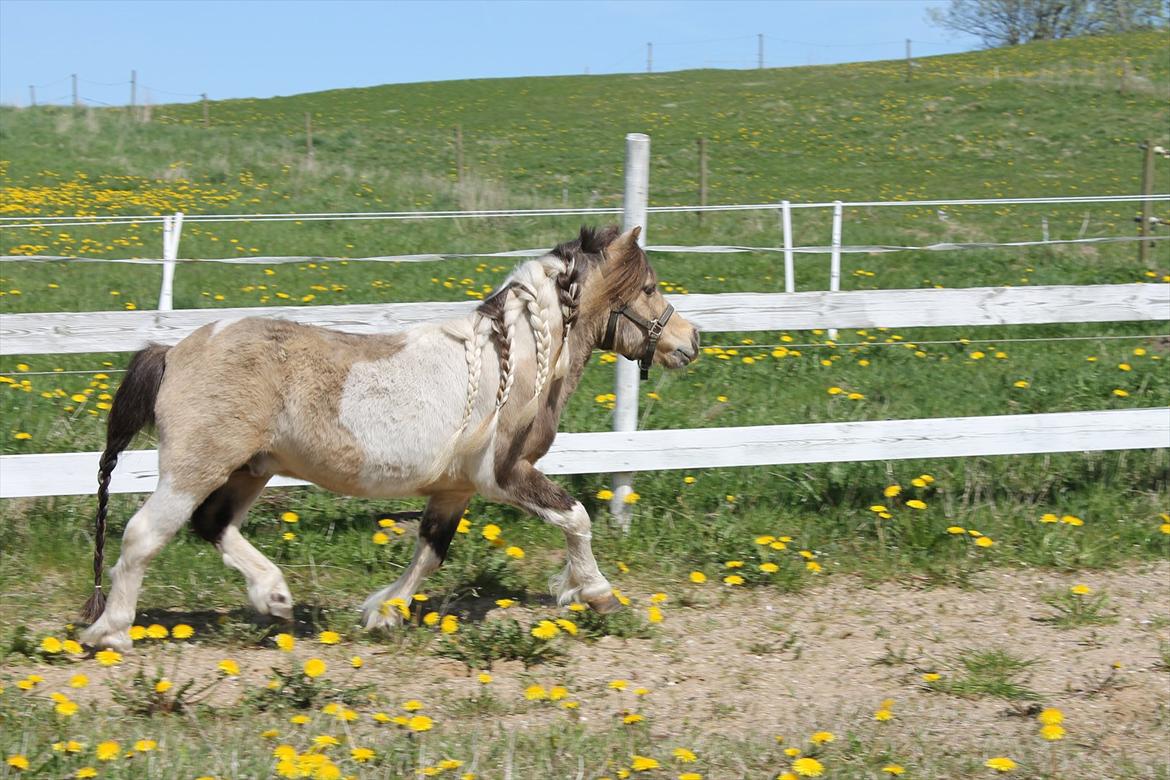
column 393, row 411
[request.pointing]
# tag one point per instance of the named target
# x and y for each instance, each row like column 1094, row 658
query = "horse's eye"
column 648, row 289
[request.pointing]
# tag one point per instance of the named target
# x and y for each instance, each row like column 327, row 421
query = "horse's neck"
column 580, row 346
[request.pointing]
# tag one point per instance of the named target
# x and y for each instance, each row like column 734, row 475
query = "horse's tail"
column 132, row 410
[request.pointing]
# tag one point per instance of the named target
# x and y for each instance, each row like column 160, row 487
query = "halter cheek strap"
column 653, row 330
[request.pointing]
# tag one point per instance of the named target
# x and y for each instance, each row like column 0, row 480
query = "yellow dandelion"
column 108, row 750
column 808, row 767
column 643, row 763
column 228, row 667
column 1052, row 732
column 314, row 668
column 698, row 577
column 108, row 657
column 420, row 723
column 329, row 637
column 1000, row 764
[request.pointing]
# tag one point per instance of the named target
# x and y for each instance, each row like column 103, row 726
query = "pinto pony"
column 442, row 410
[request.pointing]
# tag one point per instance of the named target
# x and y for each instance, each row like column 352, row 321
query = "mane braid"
column 542, row 335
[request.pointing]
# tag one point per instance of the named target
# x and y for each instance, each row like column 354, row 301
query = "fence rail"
column 125, row 331
column 73, row 473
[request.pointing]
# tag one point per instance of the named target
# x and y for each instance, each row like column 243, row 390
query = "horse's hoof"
column 605, row 605
column 101, row 640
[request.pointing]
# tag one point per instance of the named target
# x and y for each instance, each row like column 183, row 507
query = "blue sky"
column 251, row 48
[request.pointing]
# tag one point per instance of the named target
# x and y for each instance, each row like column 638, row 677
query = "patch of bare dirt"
column 765, row 664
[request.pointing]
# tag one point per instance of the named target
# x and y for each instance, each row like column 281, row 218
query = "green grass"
column 995, row 673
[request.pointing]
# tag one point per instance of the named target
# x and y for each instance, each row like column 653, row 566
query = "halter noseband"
column 653, row 330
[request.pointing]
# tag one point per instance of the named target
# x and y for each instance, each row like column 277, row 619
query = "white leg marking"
column 148, row 531
column 376, row 613
column 580, row 580
column 267, row 589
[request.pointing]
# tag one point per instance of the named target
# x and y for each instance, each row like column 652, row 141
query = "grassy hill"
column 1043, row 119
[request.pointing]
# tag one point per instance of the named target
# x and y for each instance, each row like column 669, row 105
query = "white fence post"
column 835, row 259
column 172, row 230
column 786, row 227
column 627, row 375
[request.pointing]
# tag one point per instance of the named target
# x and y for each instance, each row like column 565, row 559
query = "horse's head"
column 636, row 320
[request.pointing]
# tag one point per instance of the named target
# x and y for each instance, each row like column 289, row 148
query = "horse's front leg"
column 580, row 580
column 435, row 531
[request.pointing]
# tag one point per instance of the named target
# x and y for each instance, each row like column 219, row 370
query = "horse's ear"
column 625, row 245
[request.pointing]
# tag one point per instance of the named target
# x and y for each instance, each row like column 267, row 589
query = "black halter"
column 653, row 330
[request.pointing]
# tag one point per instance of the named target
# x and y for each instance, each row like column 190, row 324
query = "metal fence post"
column 172, row 230
column 835, row 257
column 625, row 413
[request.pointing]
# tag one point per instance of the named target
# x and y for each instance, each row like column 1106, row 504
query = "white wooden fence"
column 73, row 473
column 627, row 451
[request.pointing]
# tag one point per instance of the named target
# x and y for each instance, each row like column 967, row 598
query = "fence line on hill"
column 627, row 451
column 560, row 212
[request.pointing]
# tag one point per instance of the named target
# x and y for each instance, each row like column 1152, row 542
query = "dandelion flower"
column 485, row 678
column 733, row 579
column 228, row 667
column 412, row 705
column 1000, row 764
column 643, row 763
column 17, row 761
column 108, row 657
column 51, row 645
column 984, row 541
column 808, row 767
column 914, row 503
column 85, row 772
column 604, row 494
column 361, row 754
column 155, row 631
column 285, row 642
column 78, row 681
column 684, row 755
column 108, row 750
column 1079, row 590
column 813, row 566
column 380, row 537
column 1052, row 732
column 420, row 723
column 698, row 577
column 883, row 715
column 545, row 629
column 505, row 603
column 290, row 517
column 145, row 745
column 769, row 568
column 893, row 769
column 162, row 686
column 618, row 685
column 892, row 490
column 514, row 552
column 632, row 718
column 535, row 693
column 931, row 677
column 329, row 637
column 314, row 668
column 821, row 737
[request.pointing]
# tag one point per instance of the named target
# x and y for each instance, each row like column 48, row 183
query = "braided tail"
column 132, row 410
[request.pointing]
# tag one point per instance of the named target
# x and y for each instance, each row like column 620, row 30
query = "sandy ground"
column 761, row 664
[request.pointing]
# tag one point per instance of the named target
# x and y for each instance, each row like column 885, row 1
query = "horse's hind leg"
column 151, row 527
column 439, row 521
column 218, row 520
